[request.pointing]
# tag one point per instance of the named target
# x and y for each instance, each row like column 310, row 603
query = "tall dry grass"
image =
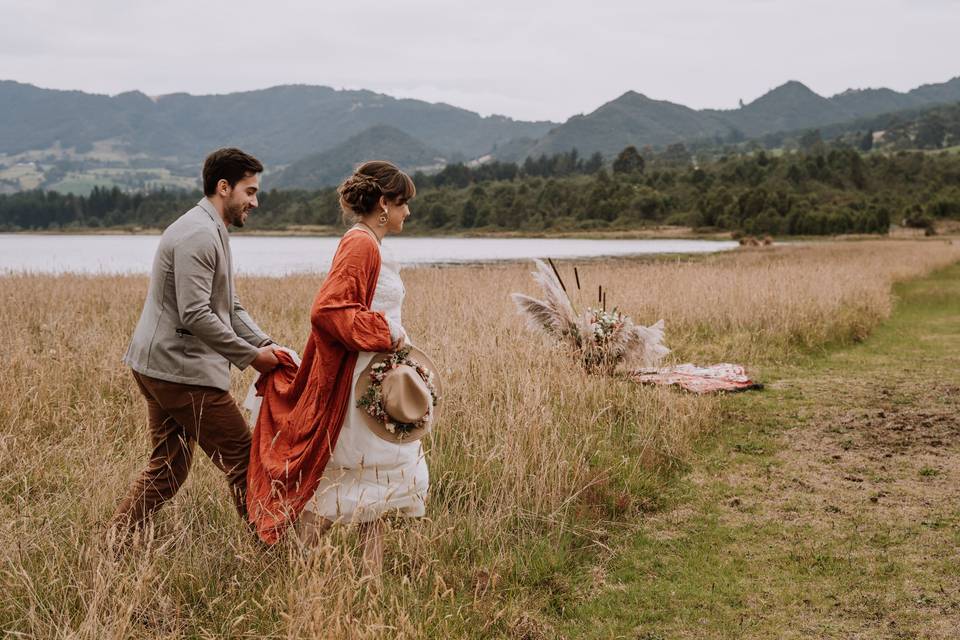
column 534, row 466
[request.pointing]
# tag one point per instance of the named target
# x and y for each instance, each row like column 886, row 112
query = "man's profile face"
column 241, row 199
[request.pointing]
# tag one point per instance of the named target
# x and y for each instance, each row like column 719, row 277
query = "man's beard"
column 234, row 213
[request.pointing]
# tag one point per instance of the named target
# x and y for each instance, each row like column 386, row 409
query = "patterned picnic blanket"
column 717, row 377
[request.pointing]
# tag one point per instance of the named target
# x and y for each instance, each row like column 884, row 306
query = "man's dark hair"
column 228, row 164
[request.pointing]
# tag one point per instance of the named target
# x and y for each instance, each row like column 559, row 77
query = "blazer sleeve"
column 245, row 327
column 340, row 310
column 194, row 266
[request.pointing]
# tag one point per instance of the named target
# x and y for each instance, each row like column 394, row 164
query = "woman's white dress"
column 367, row 476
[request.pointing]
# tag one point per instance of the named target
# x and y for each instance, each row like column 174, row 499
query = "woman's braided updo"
column 360, row 193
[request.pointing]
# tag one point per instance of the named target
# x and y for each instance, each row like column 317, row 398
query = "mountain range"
column 638, row 120
column 318, row 133
column 279, row 125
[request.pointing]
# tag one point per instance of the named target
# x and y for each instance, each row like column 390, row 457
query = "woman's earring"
column 383, row 218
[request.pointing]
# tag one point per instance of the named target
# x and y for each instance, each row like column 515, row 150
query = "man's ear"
column 223, row 186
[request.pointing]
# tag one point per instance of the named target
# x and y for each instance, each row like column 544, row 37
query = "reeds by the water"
column 534, row 468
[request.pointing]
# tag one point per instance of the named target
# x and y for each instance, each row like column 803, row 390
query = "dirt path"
column 829, row 509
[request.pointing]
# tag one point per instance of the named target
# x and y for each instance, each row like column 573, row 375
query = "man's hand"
column 266, row 359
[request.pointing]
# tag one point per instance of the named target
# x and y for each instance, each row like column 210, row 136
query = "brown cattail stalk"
column 557, row 273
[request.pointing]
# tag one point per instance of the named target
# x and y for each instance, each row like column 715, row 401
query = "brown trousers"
column 180, row 415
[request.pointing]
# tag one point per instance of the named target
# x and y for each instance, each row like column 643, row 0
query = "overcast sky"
column 529, row 60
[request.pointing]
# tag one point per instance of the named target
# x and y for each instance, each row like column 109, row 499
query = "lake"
column 275, row 256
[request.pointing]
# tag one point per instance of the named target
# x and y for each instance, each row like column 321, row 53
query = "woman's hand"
column 400, row 342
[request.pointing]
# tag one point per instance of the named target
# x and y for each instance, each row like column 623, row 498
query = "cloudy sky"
column 530, row 60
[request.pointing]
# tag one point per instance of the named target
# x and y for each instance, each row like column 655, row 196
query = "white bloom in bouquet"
column 600, row 340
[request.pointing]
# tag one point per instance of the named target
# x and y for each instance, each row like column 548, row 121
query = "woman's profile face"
column 396, row 215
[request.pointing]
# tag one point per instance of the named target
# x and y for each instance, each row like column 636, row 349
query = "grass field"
column 828, row 507
column 536, row 467
column 24, row 175
column 83, row 182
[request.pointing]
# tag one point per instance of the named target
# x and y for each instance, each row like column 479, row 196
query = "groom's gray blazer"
column 192, row 325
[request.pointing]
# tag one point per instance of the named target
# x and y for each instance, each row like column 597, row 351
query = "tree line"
column 819, row 190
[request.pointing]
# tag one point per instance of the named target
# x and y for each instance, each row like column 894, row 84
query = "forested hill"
column 824, row 191
column 381, row 141
column 635, row 119
column 72, row 141
column 279, row 125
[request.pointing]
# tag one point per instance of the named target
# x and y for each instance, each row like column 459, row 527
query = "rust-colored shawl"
column 303, row 409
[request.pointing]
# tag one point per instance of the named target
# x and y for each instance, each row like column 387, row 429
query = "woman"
column 312, row 455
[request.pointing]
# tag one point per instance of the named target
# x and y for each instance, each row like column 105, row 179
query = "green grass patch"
column 719, row 562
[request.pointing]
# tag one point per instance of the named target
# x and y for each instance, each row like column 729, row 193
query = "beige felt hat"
column 404, row 395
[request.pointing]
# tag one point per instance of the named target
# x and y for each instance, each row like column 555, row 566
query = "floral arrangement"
column 601, row 340
column 372, row 399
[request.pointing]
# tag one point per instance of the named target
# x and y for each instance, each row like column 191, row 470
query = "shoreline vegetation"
column 537, row 469
column 944, row 229
column 819, row 191
column 666, row 232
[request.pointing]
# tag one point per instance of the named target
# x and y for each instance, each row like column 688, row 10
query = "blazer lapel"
column 207, row 206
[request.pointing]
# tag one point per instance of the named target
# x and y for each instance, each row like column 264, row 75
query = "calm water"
column 261, row 255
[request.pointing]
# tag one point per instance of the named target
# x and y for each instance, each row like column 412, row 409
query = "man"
column 191, row 330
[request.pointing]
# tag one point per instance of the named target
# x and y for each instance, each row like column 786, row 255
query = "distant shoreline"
column 946, row 230
column 654, row 233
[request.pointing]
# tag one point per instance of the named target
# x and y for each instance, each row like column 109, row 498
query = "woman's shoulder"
column 357, row 250
column 359, row 240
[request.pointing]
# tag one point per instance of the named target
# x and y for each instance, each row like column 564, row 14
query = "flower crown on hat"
column 372, row 399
